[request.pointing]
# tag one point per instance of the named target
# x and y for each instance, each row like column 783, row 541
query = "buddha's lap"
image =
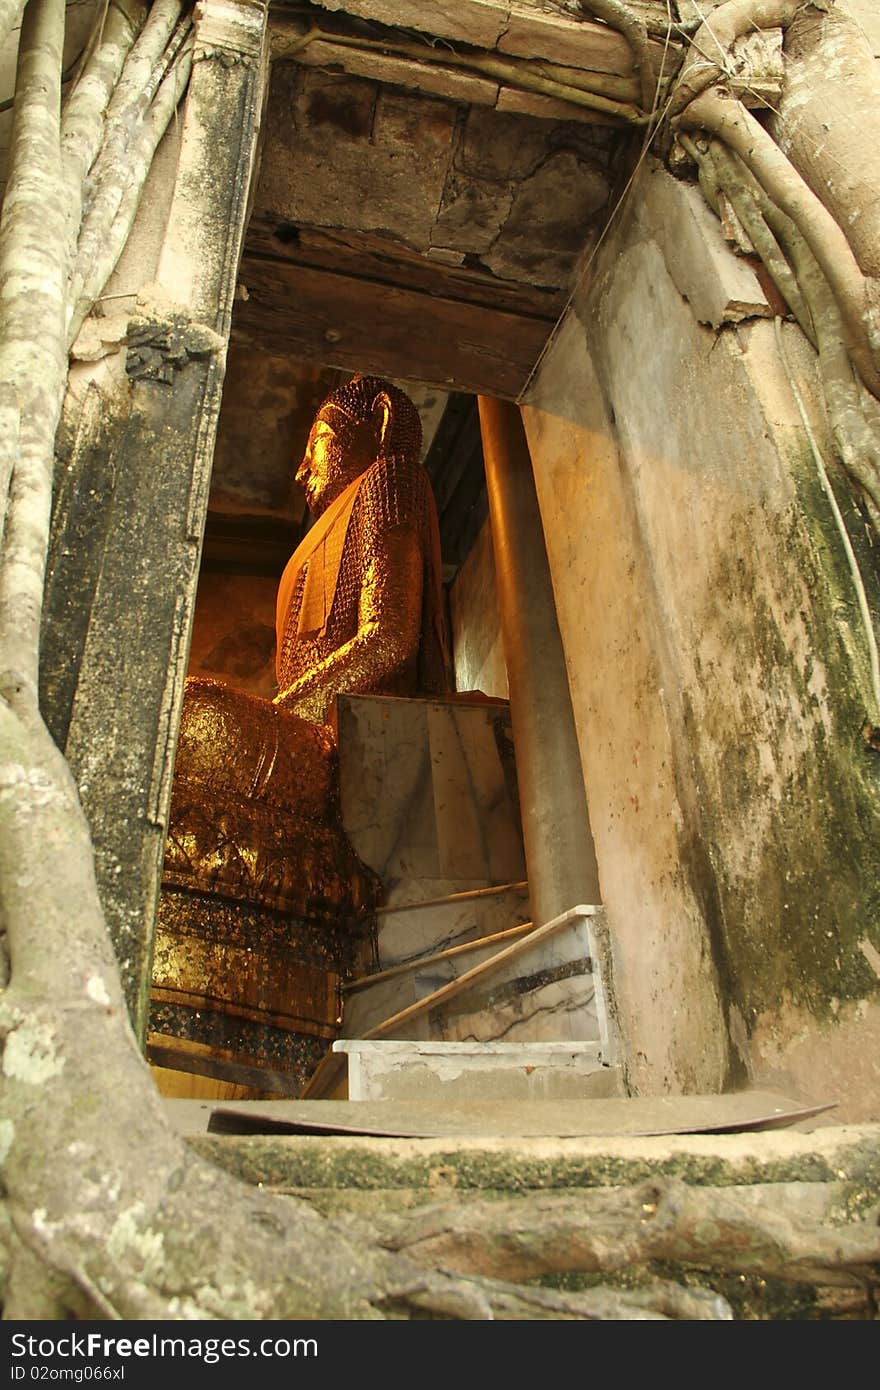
column 233, row 742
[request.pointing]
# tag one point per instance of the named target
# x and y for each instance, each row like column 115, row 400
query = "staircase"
column 518, row 1012
column 466, row 991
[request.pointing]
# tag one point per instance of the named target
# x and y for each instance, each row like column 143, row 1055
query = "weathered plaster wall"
column 478, row 649
column 665, row 982
column 718, row 672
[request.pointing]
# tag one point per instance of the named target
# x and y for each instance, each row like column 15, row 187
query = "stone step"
column 388, row 1069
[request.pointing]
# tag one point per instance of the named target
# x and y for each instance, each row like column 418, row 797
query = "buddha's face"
column 322, row 473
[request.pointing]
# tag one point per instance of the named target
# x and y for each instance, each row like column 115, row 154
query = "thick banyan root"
column 791, row 217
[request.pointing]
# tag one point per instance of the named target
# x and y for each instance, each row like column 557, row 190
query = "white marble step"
column 410, row 927
column 383, row 1069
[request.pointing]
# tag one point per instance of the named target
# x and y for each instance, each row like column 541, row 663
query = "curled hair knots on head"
column 359, row 402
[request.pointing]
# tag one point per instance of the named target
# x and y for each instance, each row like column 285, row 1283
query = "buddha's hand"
column 307, row 700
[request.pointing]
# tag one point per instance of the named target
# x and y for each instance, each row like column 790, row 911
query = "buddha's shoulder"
column 395, row 479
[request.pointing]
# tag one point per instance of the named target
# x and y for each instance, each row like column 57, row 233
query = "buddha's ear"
column 381, row 416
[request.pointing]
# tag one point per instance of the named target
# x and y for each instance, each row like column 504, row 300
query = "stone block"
column 495, row 148
column 444, row 256
column 553, row 207
column 428, row 793
column 577, row 43
column 366, row 156
column 472, row 214
column 719, row 286
column 432, row 78
column 463, row 1071
column 479, row 22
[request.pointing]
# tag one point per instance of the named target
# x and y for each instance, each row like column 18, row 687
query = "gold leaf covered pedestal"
column 264, row 908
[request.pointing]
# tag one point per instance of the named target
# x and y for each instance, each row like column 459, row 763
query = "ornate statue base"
column 244, row 995
column 265, row 907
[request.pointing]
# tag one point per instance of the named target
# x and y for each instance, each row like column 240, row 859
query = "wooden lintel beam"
column 363, row 325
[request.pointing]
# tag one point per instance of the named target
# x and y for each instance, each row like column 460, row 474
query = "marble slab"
column 400, row 1071
column 430, row 801
column 526, row 1012
column 548, row 992
column 428, row 791
column 406, row 934
column 522, row 1009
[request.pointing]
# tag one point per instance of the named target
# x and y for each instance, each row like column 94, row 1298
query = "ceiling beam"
column 367, row 325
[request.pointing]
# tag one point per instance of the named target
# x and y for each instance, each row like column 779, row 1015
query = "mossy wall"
column 719, row 670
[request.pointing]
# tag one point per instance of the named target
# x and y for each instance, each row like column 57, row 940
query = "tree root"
column 747, row 200
column 150, row 85
column 707, row 61
column 82, row 125
column 802, row 284
column 783, row 1231
column 855, row 434
column 618, row 15
column 657, row 1300
column 800, row 242
column 595, row 91
column 730, row 121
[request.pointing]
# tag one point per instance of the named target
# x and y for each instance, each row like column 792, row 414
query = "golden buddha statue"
column 359, row 605
column 359, row 611
column 256, row 850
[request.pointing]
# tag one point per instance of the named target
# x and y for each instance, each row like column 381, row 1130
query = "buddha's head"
column 357, row 424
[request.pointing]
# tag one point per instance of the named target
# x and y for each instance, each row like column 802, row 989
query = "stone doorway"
column 449, row 278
